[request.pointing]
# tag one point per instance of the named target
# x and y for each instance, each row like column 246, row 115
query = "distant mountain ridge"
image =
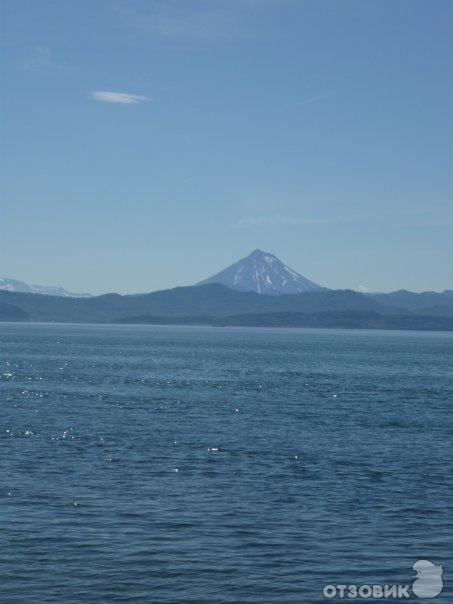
column 258, row 290
column 216, row 304
column 263, row 273
column 431, row 303
column 13, row 285
column 213, row 299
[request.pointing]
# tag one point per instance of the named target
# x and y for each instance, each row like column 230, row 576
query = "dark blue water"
column 183, row 464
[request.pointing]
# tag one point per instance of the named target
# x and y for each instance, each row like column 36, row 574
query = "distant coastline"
column 217, row 305
column 326, row 320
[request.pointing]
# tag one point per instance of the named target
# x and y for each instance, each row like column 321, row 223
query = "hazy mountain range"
column 217, row 304
column 13, row 285
column 267, row 303
column 261, row 272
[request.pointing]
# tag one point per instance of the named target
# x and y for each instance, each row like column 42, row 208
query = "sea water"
column 209, row 465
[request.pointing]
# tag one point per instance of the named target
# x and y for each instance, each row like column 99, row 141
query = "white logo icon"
column 428, row 580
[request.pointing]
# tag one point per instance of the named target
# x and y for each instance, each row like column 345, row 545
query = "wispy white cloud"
column 197, row 20
column 122, row 98
column 267, row 215
column 40, row 60
column 176, row 20
column 313, row 99
column 278, row 221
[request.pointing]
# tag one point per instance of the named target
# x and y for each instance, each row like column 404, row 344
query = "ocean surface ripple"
column 221, row 465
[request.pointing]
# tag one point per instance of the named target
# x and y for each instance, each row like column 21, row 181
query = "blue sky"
column 318, row 130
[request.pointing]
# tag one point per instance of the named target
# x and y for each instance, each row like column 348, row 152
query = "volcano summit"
column 263, row 273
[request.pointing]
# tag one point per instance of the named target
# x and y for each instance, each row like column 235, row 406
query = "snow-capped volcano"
column 263, row 273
